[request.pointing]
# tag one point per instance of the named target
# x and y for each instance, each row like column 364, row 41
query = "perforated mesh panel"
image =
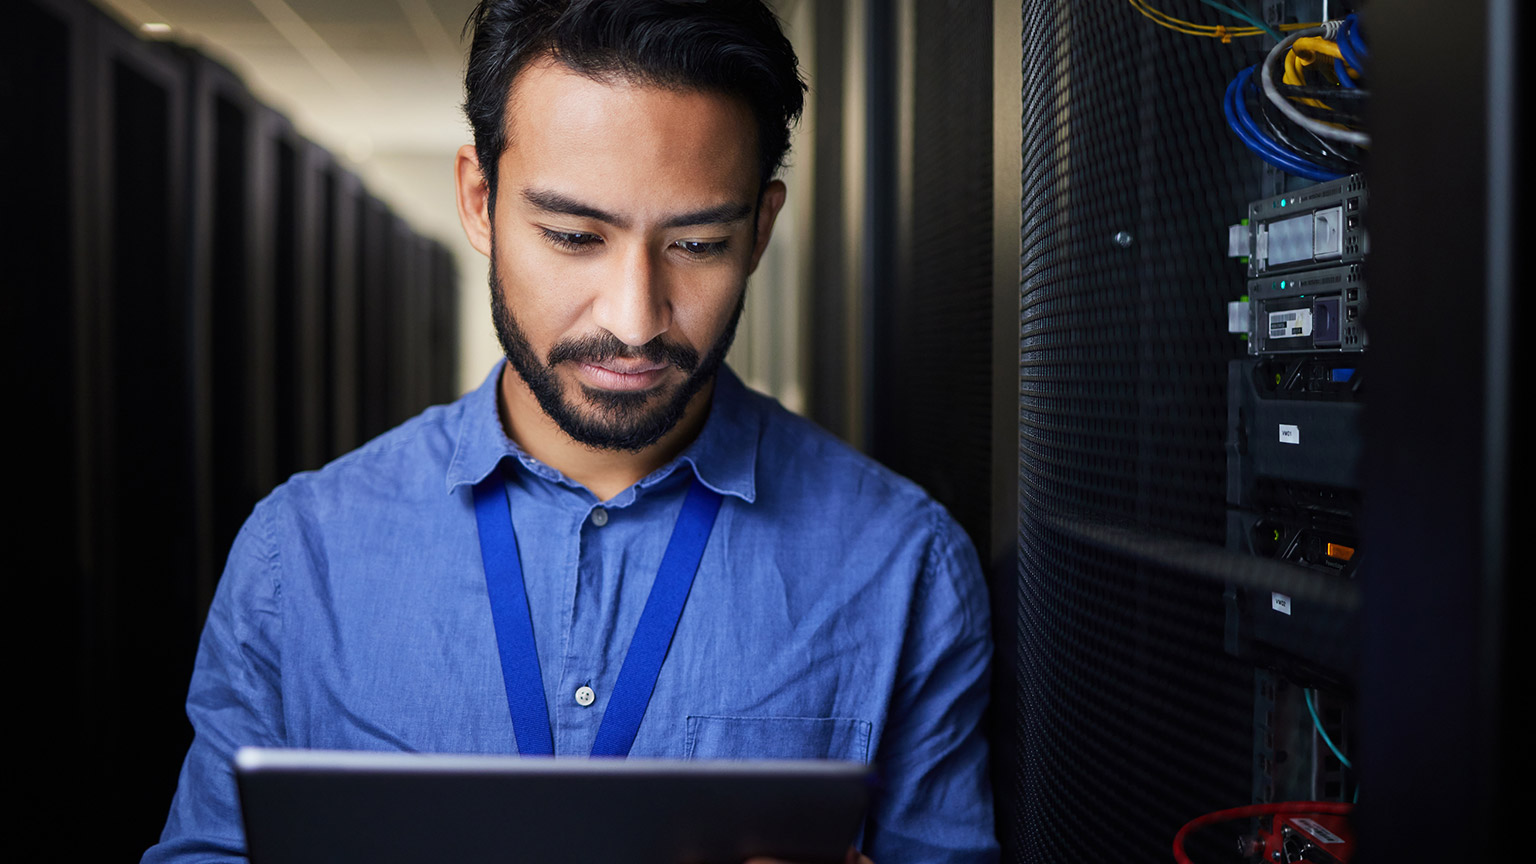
column 1132, row 718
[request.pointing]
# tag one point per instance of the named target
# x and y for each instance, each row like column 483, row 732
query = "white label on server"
column 1290, row 434
column 1318, row 832
column 1290, row 323
column 1280, row 602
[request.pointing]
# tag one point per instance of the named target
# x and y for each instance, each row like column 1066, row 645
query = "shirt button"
column 599, row 517
column 585, row 696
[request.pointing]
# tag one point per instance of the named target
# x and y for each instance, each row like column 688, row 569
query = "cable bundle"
column 1310, row 118
column 1215, row 31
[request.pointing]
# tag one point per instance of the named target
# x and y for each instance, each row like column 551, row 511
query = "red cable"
column 1271, row 809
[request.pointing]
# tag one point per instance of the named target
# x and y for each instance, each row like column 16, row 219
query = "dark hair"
column 734, row 47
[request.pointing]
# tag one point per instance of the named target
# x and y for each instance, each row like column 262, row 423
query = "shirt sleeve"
column 936, row 804
column 234, row 700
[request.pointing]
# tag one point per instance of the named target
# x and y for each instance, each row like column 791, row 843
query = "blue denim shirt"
column 838, row 612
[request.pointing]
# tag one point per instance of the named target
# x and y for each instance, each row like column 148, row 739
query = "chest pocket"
column 777, row 738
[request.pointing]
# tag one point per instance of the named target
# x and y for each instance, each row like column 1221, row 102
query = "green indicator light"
column 1282, row 202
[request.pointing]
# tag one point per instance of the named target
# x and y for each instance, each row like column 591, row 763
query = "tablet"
column 304, row 806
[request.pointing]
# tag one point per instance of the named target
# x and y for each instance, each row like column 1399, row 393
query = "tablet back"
column 304, row 806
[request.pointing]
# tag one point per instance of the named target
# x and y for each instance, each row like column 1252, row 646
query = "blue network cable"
column 1262, row 145
column 1317, row 724
column 1351, row 45
column 1353, row 35
column 1342, row 72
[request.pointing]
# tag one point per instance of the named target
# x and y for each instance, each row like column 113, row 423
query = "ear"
column 767, row 212
column 474, row 198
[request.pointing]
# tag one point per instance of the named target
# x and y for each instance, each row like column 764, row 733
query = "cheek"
column 704, row 307
column 543, row 293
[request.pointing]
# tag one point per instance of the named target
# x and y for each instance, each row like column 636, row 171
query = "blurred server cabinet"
column 1362, row 523
column 190, row 323
column 1129, row 717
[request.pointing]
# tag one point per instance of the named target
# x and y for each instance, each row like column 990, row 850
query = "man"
column 621, row 183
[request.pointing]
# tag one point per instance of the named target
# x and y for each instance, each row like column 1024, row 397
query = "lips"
column 623, row 374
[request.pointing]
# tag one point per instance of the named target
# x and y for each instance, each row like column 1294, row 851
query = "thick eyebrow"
column 723, row 214
column 553, row 202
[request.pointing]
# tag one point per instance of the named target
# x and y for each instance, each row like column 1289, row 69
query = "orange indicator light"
column 1343, row 553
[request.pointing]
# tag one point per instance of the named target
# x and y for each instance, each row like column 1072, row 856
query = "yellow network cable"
column 1213, row 31
column 1304, row 54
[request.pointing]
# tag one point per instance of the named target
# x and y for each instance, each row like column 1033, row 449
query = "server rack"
column 312, row 384
column 184, row 326
column 1371, row 470
column 144, row 444
column 342, row 304
column 372, row 244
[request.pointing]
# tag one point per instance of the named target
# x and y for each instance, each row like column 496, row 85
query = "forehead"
column 613, row 140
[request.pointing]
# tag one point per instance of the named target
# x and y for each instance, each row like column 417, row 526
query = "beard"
column 608, row 419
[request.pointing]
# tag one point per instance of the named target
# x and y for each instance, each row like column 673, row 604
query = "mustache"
column 605, row 346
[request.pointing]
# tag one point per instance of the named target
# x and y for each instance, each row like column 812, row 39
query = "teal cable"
column 1244, row 16
column 1317, row 724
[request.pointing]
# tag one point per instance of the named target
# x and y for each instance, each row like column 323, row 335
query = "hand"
column 853, row 857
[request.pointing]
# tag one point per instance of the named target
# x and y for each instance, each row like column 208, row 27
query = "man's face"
column 626, row 222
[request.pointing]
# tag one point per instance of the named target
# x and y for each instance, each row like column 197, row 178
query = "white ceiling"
column 361, row 77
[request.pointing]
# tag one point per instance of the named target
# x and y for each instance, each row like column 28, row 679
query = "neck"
column 605, row 472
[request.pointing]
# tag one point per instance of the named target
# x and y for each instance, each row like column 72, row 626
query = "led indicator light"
column 1340, row 551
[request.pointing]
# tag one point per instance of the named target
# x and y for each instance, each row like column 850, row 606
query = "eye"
column 702, row 248
column 572, row 241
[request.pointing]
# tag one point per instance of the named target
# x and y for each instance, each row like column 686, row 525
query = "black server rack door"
column 399, row 327
column 224, row 232
column 829, row 395
column 445, row 322
column 286, row 293
column 342, row 272
column 933, row 370
column 1448, row 460
column 46, row 92
column 295, row 290
column 143, row 594
column 314, row 230
column 373, row 294
column 421, row 325
column 264, row 200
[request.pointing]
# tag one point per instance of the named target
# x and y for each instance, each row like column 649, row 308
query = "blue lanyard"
column 653, row 635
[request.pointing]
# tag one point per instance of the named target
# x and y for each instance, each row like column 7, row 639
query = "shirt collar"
column 723, row 457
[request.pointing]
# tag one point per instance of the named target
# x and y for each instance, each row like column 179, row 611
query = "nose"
column 634, row 306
